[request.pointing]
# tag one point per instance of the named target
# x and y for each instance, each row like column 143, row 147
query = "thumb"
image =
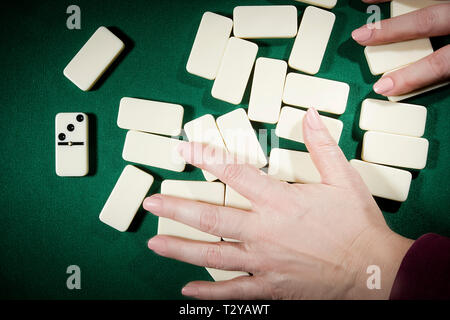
column 328, row 158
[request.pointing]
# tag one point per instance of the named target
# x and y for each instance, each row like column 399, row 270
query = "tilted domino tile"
column 209, row 45
column 395, row 150
column 234, row 70
column 312, row 40
column 93, row 59
column 328, row 4
column 204, row 130
column 150, row 116
column 267, row 90
column 254, row 22
column 307, row 91
column 235, row 200
column 417, row 92
column 292, row 166
column 391, row 117
column 240, row 138
column 385, row 182
column 387, row 57
column 290, row 125
column 153, row 150
column 399, row 7
column 126, row 198
column 210, row 192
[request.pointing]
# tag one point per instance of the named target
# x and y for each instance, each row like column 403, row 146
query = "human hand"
column 433, row 69
column 299, row 241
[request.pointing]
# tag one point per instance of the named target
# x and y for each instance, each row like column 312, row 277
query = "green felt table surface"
column 49, row 222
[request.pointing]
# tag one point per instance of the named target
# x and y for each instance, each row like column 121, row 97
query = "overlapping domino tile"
column 382, row 181
column 290, row 125
column 204, row 130
column 235, row 200
column 312, row 40
column 97, row 54
column 234, row 71
column 153, row 150
column 240, row 138
column 399, row 7
column 417, row 92
column 209, row 45
column 395, row 150
column 328, row 4
column 254, row 22
column 267, row 90
column 126, row 198
column 307, row 91
column 391, row 117
column 150, row 116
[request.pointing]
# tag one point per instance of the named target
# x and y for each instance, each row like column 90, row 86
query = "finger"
column 246, row 179
column 217, row 220
column 430, row 70
column 240, row 288
column 428, row 22
column 328, row 158
column 221, row 255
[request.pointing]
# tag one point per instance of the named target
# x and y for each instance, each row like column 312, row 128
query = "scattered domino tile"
column 312, row 40
column 387, row 57
column 292, row 166
column 150, row 116
column 323, row 94
column 399, row 7
column 126, row 198
column 234, row 70
column 267, row 90
column 417, row 92
column 254, row 22
column 395, row 150
column 327, row 4
column 290, row 125
column 240, row 138
column 204, row 130
column 209, row 45
column 391, row 117
column 71, row 144
column 153, row 150
column 222, row 275
column 235, row 200
column 97, row 54
column 385, row 182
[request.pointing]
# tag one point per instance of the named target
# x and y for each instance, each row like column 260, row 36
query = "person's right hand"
column 428, row 22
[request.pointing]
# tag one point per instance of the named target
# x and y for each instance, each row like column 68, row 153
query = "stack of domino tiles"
column 394, row 138
column 383, row 59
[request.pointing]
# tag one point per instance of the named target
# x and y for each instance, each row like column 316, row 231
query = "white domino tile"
column 290, row 125
column 385, row 182
column 150, row 116
column 126, row 198
column 97, row 54
column 391, row 117
column 417, row 92
column 240, row 138
column 204, row 130
column 395, row 150
column 387, row 57
column 292, row 166
column 236, row 200
column 267, row 90
column 254, row 22
column 209, row 45
column 222, row 275
column 323, row 94
column 312, row 40
column 399, row 7
column 234, row 71
column 327, row 4
column 153, row 150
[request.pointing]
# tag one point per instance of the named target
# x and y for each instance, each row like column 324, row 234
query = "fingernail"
column 383, row 85
column 156, row 244
column 313, row 119
column 153, row 204
column 362, row 34
column 189, row 291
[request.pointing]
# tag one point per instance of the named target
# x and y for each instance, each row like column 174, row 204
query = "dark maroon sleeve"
column 425, row 270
